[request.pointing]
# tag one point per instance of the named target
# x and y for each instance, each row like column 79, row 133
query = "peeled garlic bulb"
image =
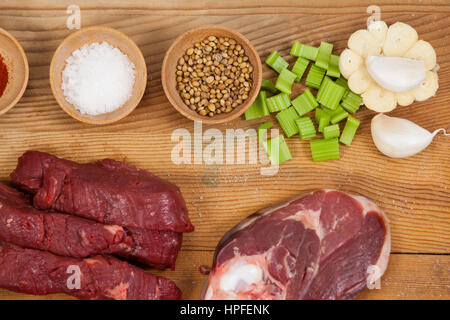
column 396, row 74
column 399, row 138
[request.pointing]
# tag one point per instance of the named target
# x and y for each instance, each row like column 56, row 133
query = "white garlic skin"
column 399, row 138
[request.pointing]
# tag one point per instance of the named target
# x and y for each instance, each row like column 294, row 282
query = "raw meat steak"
column 72, row 236
column 107, row 191
column 101, row 277
column 325, row 245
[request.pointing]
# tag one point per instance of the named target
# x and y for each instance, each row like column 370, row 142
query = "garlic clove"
column 399, row 138
column 349, row 62
column 422, row 50
column 378, row 99
column 360, row 81
column 405, row 98
column 427, row 87
column 396, row 74
column 379, row 30
column 364, row 43
column 399, row 38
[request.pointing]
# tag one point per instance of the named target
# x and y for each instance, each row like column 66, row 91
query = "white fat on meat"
column 240, row 277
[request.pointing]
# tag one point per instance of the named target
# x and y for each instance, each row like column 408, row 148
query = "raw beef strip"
column 72, row 236
column 107, row 191
column 325, row 245
column 101, row 277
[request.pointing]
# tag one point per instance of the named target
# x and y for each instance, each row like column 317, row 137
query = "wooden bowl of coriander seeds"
column 211, row 74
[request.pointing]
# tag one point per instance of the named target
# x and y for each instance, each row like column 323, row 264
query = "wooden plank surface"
column 414, row 192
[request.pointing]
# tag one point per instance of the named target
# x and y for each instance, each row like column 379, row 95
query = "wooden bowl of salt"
column 16, row 62
column 99, row 35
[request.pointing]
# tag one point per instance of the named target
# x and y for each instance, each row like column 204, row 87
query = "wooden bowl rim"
column 77, row 116
column 184, row 109
column 26, row 67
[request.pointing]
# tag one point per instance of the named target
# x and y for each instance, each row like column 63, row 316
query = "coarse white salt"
column 98, row 78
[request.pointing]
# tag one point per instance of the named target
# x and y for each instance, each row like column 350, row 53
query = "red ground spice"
column 3, row 76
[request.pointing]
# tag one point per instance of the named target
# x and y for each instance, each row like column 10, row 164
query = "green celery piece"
column 286, row 119
column 283, row 153
column 331, row 131
column 330, row 94
column 315, row 77
column 323, row 121
column 351, row 102
column 349, row 130
column 324, row 55
column 324, row 149
column 263, row 127
column 324, row 87
column 303, row 50
column 305, row 102
column 278, row 102
column 285, row 80
column 306, row 128
column 258, row 108
column 343, row 83
column 317, row 115
column 268, row 85
column 299, row 68
column 338, row 114
column 333, row 67
column 295, row 49
column 320, row 111
column 276, row 62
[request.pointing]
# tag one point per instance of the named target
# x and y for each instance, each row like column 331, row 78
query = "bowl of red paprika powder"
column 13, row 71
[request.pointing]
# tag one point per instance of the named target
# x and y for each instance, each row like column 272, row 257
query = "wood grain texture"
column 413, row 192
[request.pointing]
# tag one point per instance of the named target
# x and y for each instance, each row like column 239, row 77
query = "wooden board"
column 414, row 192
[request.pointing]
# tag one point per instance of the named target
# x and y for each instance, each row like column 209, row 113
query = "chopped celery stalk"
column 324, row 55
column 324, row 120
column 299, row 68
column 303, row 50
column 277, row 150
column 262, row 130
column 304, row 103
column 306, row 128
column 278, row 102
column 351, row 102
column 324, row 149
column 349, row 130
column 338, row 114
column 276, row 62
column 295, row 49
column 259, row 108
column 320, row 111
column 330, row 94
column 286, row 119
column 333, row 67
column 331, row 131
column 268, row 85
column 285, row 80
column 315, row 77
column 342, row 82
column 317, row 115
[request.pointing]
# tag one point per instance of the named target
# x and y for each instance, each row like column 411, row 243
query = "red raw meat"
column 107, row 191
column 325, row 245
column 76, row 237
column 101, row 277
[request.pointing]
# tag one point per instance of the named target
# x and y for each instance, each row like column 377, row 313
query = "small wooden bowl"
column 98, row 34
column 176, row 51
column 17, row 65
